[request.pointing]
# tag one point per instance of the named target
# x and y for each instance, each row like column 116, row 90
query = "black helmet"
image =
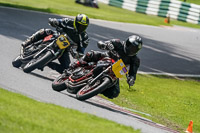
column 81, row 23
column 132, row 45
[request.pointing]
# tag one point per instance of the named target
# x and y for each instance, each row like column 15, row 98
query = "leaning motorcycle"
column 91, row 80
column 27, row 53
column 59, row 83
column 39, row 54
column 91, row 3
column 53, row 49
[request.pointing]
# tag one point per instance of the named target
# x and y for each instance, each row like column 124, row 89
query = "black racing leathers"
column 82, row 41
column 132, row 61
column 66, row 24
column 116, row 45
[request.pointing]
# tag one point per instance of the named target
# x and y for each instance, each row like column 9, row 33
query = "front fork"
column 102, row 74
column 48, row 47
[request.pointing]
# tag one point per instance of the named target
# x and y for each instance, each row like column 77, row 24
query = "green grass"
column 69, row 7
column 19, row 114
column 192, row 1
column 171, row 102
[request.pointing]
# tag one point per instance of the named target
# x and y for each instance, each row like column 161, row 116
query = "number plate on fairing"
column 119, row 69
column 62, row 42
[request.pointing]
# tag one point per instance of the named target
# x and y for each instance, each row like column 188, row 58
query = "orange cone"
column 189, row 129
column 166, row 20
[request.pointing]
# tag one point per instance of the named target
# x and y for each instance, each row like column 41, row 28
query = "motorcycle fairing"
column 119, row 69
column 47, row 38
column 80, row 74
column 62, row 42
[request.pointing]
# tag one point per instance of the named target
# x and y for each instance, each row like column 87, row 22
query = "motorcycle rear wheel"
column 87, row 91
column 59, row 83
column 37, row 63
column 17, row 62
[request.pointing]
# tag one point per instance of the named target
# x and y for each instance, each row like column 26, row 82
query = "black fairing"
column 79, row 72
column 99, row 68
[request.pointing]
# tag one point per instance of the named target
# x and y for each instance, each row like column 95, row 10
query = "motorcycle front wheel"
column 38, row 62
column 89, row 91
column 17, row 62
column 59, row 83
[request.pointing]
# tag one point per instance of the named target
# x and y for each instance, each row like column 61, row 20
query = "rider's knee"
column 111, row 92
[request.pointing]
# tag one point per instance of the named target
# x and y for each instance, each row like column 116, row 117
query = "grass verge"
column 19, row 114
column 171, row 102
column 191, row 1
column 106, row 12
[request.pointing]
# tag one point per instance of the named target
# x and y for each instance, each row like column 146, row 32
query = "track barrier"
column 177, row 10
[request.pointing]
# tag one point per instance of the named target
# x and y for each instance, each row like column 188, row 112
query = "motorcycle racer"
column 75, row 29
column 127, row 51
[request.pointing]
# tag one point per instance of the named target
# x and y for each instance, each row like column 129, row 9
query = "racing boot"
column 36, row 37
column 30, row 40
column 27, row 42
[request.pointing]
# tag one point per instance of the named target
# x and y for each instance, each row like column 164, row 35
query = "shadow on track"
column 41, row 76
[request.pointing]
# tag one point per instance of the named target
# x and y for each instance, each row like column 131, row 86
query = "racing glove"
column 130, row 80
column 53, row 22
column 110, row 46
column 105, row 45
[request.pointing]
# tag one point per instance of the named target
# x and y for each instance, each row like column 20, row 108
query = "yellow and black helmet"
column 81, row 23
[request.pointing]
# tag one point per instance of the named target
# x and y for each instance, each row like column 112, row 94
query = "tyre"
column 17, row 62
column 31, row 52
column 89, row 91
column 59, row 83
column 38, row 62
column 27, row 58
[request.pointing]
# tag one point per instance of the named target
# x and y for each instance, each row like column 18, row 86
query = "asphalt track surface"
column 169, row 50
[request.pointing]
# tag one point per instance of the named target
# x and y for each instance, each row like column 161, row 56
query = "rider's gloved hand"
column 110, row 46
column 105, row 45
column 53, row 22
column 101, row 45
column 130, row 80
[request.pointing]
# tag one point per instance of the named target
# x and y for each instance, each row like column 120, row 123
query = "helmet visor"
column 81, row 27
column 131, row 50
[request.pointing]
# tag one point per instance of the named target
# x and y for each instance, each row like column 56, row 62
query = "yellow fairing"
column 119, row 69
column 62, row 42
